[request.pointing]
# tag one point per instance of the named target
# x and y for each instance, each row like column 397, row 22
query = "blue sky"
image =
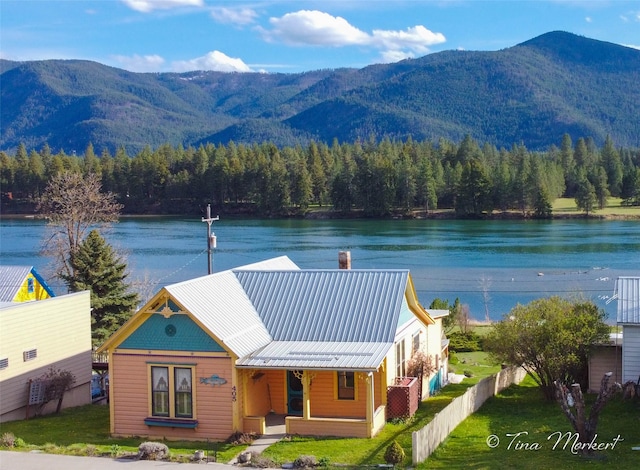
column 291, row 36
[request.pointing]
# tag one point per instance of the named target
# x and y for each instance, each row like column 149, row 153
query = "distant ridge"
column 531, row 93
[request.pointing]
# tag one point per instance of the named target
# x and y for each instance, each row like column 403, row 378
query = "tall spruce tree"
column 98, row 268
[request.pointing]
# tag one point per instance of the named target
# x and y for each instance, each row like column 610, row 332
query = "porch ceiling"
column 317, row 355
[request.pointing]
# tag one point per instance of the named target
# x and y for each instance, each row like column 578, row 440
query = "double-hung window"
column 172, row 391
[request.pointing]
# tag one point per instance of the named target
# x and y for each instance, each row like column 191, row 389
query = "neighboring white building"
column 627, row 293
column 38, row 335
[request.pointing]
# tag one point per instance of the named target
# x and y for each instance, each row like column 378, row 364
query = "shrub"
column 91, row 450
column 305, row 461
column 261, row 461
column 453, row 358
column 8, row 440
column 153, row 451
column 394, row 453
column 240, row 438
column 464, row 342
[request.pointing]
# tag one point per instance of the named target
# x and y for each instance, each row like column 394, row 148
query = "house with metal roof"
column 627, row 293
column 22, row 284
column 222, row 353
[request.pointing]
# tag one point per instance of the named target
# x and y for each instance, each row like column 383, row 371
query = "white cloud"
column 631, row 16
column 588, row 19
column 388, row 57
column 240, row 16
column 138, row 63
column 215, row 60
column 316, row 28
column 146, row 6
column 417, row 39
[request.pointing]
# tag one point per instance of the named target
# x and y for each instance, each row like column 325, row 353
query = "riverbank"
column 563, row 212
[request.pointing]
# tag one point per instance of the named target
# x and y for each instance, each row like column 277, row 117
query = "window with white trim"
column 172, row 391
column 416, row 342
column 400, row 359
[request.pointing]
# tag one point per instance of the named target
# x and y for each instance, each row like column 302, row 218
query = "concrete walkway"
column 275, row 431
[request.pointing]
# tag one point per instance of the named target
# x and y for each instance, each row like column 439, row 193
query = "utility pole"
column 211, row 237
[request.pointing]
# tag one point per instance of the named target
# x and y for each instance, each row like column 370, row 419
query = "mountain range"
column 532, row 94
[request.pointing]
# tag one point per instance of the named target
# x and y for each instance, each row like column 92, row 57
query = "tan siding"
column 130, row 394
column 60, row 329
column 604, row 359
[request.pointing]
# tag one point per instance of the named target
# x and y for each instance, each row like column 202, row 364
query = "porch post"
column 370, row 401
column 306, row 401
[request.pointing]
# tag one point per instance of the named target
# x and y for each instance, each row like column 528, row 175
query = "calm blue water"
column 511, row 261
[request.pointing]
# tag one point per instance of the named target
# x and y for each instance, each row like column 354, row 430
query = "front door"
column 294, row 393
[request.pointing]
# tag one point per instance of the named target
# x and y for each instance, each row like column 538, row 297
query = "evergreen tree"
column 97, row 268
column 586, row 197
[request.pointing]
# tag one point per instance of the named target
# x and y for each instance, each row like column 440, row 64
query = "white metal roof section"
column 350, row 306
column 317, row 355
column 627, row 292
column 281, row 263
column 11, row 279
column 219, row 302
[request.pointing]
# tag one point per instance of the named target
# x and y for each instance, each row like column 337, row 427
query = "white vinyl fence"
column 427, row 439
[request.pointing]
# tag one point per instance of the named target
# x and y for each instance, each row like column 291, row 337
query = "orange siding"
column 130, row 395
column 324, row 402
column 277, row 380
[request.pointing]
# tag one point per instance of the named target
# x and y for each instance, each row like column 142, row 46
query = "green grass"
column 85, row 430
column 521, row 409
column 371, row 451
column 568, row 206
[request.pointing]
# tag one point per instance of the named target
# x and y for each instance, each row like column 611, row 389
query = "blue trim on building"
column 176, row 333
column 172, row 422
column 42, row 282
column 434, row 383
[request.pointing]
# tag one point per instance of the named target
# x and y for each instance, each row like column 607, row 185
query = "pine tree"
column 97, row 268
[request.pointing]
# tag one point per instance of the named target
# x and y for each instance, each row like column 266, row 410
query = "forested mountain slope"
column 532, row 93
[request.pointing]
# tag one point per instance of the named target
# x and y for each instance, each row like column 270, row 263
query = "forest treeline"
column 371, row 178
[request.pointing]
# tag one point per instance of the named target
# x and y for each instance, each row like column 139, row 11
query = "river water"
column 489, row 265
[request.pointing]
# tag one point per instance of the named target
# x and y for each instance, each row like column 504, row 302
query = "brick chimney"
column 344, row 260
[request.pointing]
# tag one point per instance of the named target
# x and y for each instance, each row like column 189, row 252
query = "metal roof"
column 317, row 355
column 328, row 305
column 274, row 315
column 11, row 279
column 219, row 302
column 627, row 291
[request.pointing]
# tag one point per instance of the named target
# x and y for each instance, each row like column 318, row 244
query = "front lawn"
column 85, row 431
column 520, row 409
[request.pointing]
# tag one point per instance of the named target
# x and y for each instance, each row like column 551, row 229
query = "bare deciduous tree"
column 583, row 425
column 73, row 204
